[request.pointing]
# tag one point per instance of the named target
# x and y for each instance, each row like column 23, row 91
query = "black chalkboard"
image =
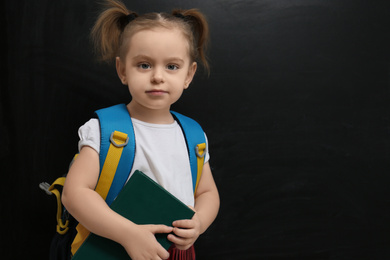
column 296, row 109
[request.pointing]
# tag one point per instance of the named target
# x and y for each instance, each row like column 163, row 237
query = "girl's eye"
column 172, row 67
column 144, row 66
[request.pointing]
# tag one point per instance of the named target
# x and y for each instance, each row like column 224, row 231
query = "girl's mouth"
column 156, row 92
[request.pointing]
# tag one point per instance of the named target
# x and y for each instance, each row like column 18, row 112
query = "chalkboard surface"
column 296, row 110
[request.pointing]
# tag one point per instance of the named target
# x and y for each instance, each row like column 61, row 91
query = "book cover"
column 143, row 201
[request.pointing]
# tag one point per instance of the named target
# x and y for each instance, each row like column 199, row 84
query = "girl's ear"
column 121, row 70
column 190, row 75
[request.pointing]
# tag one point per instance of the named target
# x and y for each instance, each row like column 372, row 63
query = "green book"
column 142, row 201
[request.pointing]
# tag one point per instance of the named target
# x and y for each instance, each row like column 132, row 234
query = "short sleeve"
column 89, row 134
column 207, row 157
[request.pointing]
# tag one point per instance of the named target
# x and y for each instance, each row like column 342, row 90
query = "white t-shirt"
column 161, row 153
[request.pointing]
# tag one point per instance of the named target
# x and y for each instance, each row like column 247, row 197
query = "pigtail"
column 107, row 31
column 200, row 29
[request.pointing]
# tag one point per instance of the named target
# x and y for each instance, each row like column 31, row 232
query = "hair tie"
column 131, row 17
column 181, row 16
column 126, row 19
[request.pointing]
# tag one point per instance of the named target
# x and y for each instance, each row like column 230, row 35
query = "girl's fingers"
column 185, row 223
column 159, row 229
column 178, row 241
column 163, row 254
column 184, row 233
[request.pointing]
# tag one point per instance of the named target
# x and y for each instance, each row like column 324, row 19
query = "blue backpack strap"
column 111, row 119
column 195, row 139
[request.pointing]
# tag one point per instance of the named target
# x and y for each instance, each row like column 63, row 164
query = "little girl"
column 156, row 56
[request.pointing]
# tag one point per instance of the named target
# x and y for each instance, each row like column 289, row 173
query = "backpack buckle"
column 45, row 187
column 119, row 139
column 200, row 150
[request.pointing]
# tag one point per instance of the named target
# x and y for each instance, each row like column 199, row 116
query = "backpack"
column 117, row 151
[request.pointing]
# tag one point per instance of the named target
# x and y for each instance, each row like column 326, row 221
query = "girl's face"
column 157, row 68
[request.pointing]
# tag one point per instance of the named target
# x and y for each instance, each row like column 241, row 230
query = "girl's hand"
column 186, row 232
column 142, row 244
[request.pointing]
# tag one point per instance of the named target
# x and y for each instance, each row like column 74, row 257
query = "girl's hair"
column 116, row 24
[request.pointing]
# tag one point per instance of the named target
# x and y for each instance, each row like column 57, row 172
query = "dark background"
column 296, row 109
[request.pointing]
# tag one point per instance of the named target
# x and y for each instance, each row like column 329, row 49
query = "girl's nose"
column 157, row 76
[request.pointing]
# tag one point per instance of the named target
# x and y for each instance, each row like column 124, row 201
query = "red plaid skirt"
column 176, row 254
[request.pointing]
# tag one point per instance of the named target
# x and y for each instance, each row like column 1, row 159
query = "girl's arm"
column 89, row 208
column 206, row 208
